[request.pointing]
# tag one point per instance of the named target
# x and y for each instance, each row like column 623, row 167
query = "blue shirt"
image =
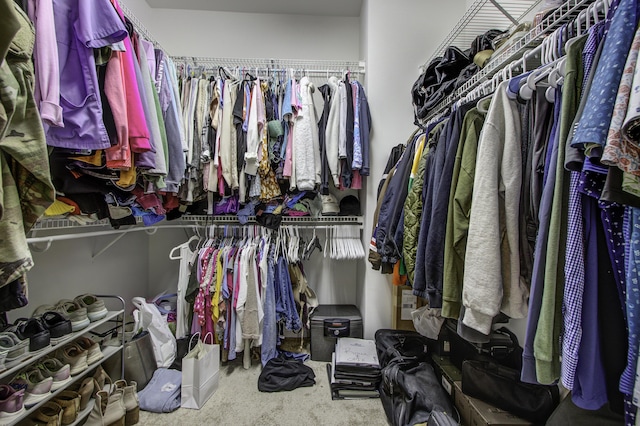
column 596, row 118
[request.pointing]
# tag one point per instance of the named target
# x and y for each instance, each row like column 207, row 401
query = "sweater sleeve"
column 253, row 135
column 46, row 64
column 332, row 135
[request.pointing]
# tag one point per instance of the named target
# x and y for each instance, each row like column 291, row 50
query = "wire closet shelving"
column 563, row 14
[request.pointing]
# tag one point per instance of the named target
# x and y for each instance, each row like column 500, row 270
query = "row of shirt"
column 259, row 138
column 120, row 121
column 528, row 207
column 244, row 292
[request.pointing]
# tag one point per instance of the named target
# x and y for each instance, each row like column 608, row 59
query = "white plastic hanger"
column 172, row 254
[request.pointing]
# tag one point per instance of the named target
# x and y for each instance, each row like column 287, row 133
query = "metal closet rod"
column 153, row 229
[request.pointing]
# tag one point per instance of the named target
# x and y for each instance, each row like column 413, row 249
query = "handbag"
column 184, row 346
column 200, row 374
column 410, row 392
column 148, row 317
column 407, row 346
column 501, row 386
column 139, row 359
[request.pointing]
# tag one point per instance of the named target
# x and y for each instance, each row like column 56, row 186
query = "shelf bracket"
column 112, row 242
column 504, row 12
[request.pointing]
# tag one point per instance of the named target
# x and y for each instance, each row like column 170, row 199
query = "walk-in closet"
column 319, row 212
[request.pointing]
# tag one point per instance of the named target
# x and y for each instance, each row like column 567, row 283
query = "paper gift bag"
column 200, row 368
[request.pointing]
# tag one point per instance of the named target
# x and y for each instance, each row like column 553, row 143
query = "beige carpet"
column 238, row 402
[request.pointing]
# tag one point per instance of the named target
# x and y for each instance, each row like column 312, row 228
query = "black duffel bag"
column 501, row 386
column 402, row 345
column 502, row 347
column 410, row 392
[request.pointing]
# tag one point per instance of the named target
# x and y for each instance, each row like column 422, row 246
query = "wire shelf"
column 563, row 14
column 140, row 28
column 482, row 16
column 52, row 224
column 325, row 220
column 267, row 65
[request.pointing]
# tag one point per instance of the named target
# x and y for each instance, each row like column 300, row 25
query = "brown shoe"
column 101, row 377
column 85, row 389
column 49, row 414
column 70, row 403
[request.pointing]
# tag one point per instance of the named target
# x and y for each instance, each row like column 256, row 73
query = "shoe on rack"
column 109, row 409
column 70, row 403
column 49, row 414
column 40, row 310
column 94, row 354
column 59, row 372
column 95, row 307
column 3, row 358
column 73, row 355
column 58, row 325
column 86, row 389
column 11, row 403
column 36, row 386
column 33, row 329
column 130, row 399
column 16, row 348
column 76, row 314
column 102, row 378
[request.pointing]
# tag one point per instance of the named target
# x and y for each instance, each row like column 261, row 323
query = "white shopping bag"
column 148, row 317
column 200, row 374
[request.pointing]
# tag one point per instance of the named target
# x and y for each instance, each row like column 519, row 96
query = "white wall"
column 250, row 35
column 68, row 268
column 400, row 36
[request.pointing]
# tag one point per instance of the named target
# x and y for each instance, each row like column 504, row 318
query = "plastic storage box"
column 328, row 322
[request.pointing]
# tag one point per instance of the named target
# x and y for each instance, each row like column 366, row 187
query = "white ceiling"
column 293, row 7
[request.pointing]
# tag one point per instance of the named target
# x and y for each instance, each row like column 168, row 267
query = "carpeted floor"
column 238, row 402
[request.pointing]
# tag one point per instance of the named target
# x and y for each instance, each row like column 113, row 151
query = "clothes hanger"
column 249, row 77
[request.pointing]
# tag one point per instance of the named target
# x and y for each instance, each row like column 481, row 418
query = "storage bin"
column 328, row 322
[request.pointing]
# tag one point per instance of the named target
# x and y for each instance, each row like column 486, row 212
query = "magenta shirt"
column 82, row 26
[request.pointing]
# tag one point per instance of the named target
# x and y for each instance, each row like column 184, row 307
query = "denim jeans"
column 269, row 321
column 285, row 304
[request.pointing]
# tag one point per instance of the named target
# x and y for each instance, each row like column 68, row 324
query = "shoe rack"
column 113, row 317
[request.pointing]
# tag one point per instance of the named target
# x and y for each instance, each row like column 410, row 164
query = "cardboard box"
column 474, row 412
column 404, row 302
column 461, row 401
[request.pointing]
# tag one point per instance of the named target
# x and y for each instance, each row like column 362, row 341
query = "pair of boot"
column 115, row 405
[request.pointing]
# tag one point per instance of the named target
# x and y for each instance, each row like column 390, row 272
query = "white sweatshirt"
column 492, row 263
column 332, row 134
column 305, row 140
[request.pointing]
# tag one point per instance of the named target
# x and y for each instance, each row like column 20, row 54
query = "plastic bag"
column 148, row 317
column 427, row 321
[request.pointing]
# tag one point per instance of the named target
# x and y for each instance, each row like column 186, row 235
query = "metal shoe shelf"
column 108, row 352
